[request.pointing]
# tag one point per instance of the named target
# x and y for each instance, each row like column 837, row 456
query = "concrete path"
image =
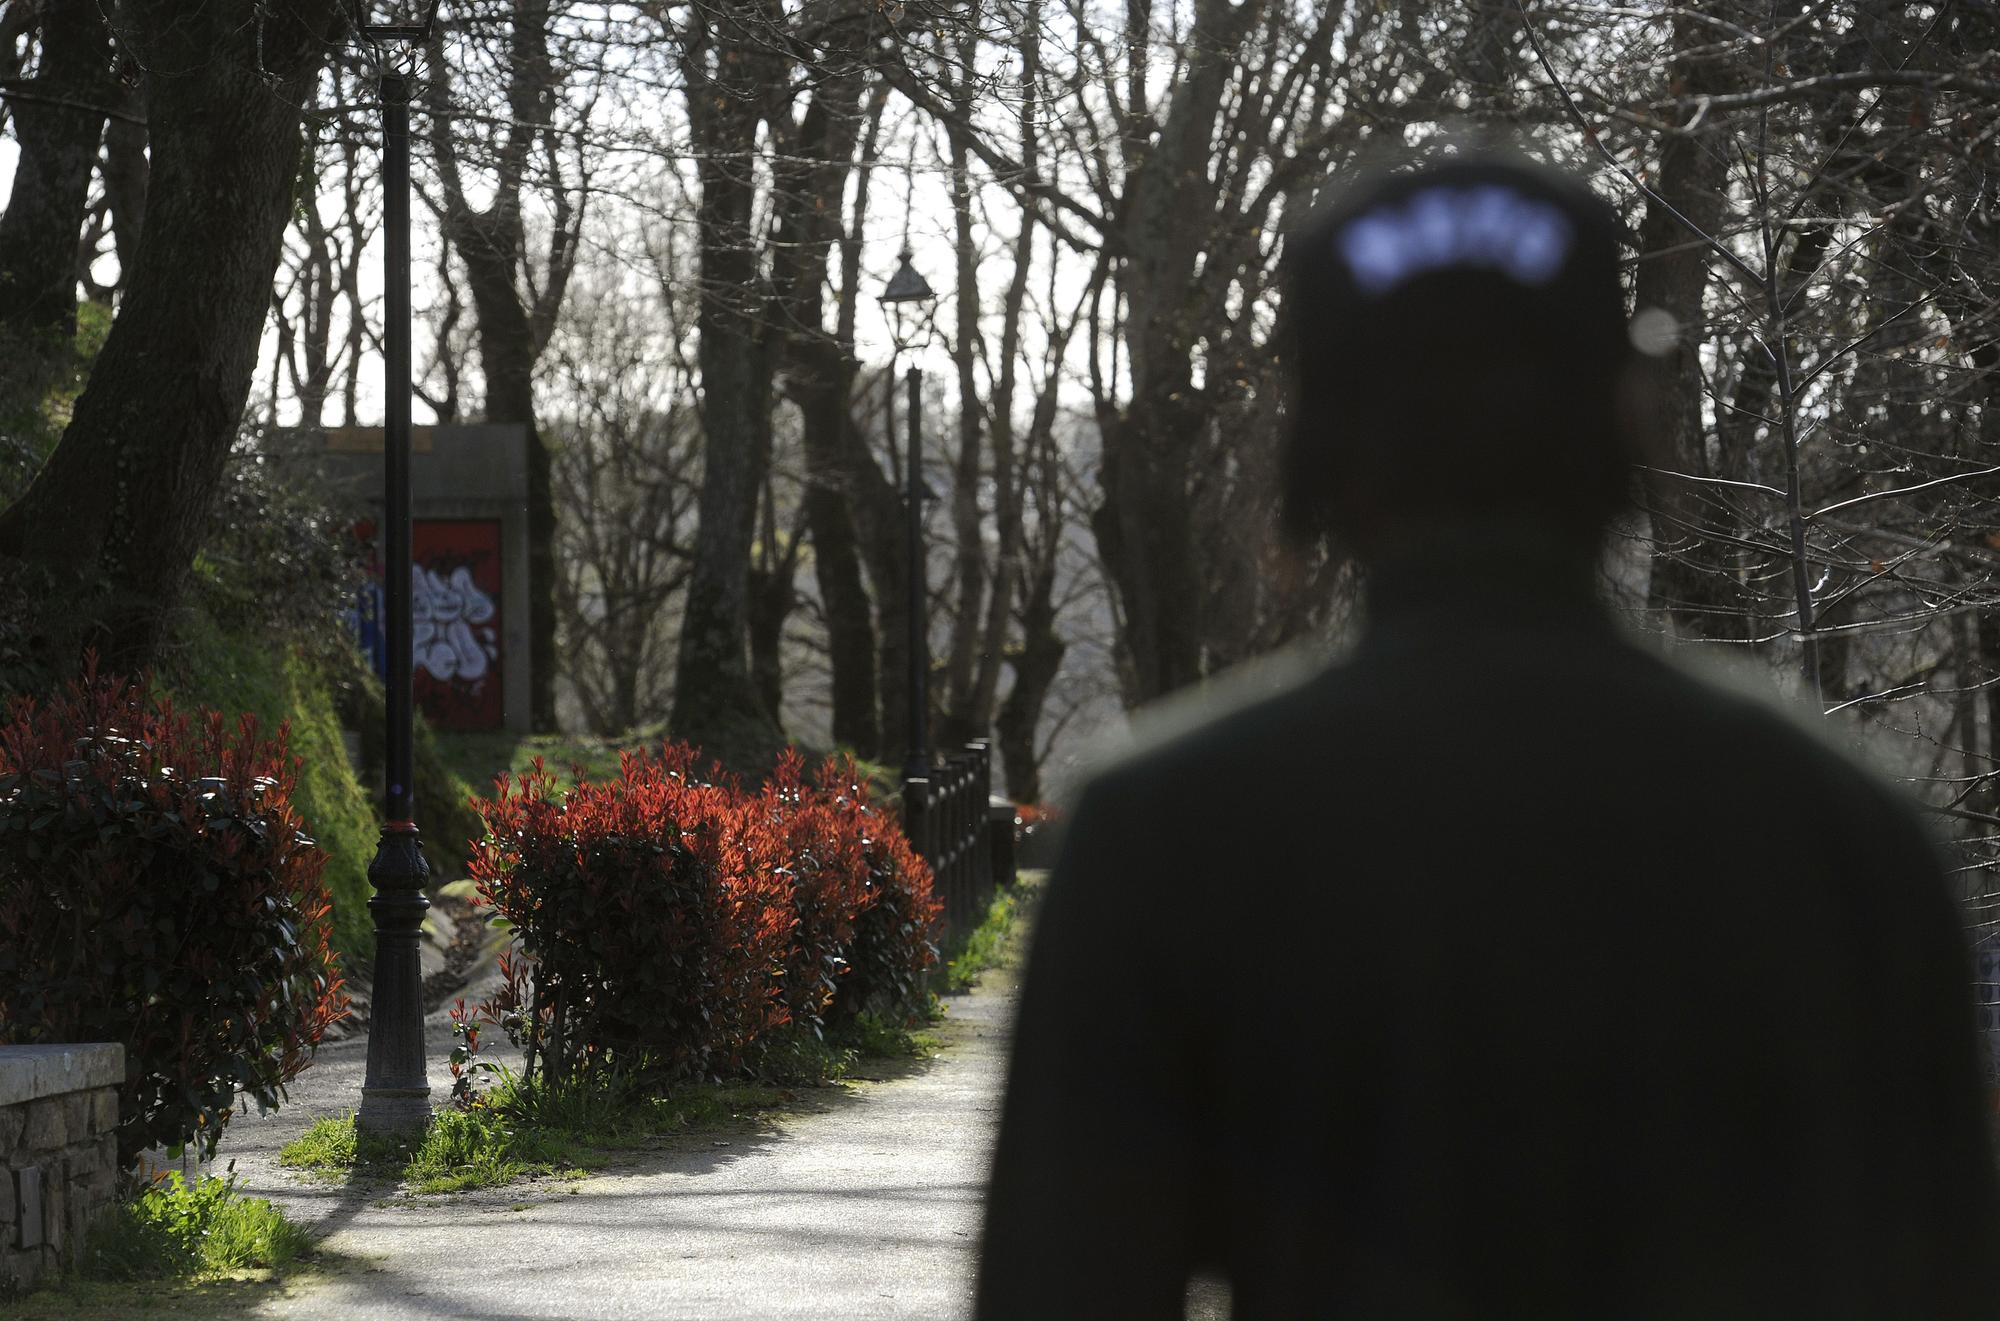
column 865, row 1206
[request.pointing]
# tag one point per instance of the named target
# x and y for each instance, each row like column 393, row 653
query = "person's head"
column 1457, row 344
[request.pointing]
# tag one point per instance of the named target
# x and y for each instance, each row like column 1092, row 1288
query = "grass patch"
column 330, row 1146
column 479, row 758
column 521, row 1133
column 181, row 1230
column 988, row 943
column 875, row 1037
column 481, row 1149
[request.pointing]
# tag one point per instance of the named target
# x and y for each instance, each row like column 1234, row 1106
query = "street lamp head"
column 406, row 22
column 905, row 297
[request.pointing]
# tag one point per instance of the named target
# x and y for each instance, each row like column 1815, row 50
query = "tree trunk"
column 125, row 173
column 1691, row 583
column 1036, row 666
column 715, row 703
column 58, row 134
column 1146, row 526
column 822, row 383
column 821, row 370
column 122, row 504
column 963, row 717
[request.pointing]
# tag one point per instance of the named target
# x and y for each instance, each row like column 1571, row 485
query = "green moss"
column 230, row 672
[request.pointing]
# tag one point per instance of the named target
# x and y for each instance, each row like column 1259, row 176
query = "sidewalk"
column 867, row 1206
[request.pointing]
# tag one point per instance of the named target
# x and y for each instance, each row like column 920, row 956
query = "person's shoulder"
column 1221, row 731
column 1825, row 764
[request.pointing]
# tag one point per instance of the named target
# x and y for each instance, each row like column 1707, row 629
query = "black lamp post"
column 396, row 1095
column 905, row 298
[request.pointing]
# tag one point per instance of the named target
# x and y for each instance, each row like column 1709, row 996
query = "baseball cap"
column 1456, row 333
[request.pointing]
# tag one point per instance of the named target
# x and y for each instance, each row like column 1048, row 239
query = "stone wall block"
column 18, row 1268
column 13, row 1120
column 48, row 1126
column 77, row 1113
column 28, row 1229
column 55, row 1211
column 104, row 1110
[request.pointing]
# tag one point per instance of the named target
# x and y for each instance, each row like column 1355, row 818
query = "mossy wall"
column 230, row 672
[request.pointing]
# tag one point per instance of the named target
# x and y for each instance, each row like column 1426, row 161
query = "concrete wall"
column 474, row 471
column 58, row 1153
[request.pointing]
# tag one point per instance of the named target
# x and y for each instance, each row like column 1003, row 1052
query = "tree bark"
column 715, row 703
column 820, row 373
column 122, row 504
column 822, row 381
column 125, row 173
column 1690, row 590
column 58, row 130
column 1145, row 528
column 1036, row 666
column 964, row 718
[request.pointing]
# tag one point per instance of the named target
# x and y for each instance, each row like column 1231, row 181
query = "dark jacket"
column 1503, row 970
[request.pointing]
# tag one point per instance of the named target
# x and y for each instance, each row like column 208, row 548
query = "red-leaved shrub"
column 670, row 924
column 894, row 931
column 654, row 910
column 825, row 859
column 157, row 889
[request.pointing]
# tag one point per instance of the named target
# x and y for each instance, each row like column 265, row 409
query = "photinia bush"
column 157, row 889
column 894, row 930
column 825, row 859
column 667, row 925
column 654, row 909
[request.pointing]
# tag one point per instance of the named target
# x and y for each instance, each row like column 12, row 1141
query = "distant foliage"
column 670, row 925
column 157, row 889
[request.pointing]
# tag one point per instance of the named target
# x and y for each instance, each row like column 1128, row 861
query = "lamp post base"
column 395, row 1098
column 394, row 1111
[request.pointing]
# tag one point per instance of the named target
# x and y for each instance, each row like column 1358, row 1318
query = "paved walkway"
column 865, row 1206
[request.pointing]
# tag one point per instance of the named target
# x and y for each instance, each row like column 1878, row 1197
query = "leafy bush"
column 825, row 860
column 654, row 911
column 175, row 1228
column 894, row 933
column 157, row 888
column 670, row 925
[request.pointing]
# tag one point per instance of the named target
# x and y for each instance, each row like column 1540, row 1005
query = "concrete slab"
column 29, row 1072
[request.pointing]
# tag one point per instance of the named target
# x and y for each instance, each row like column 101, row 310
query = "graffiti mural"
column 455, row 614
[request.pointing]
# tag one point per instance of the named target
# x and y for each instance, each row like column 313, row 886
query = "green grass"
column 482, row 1149
column 181, row 1230
column 989, row 942
column 329, row 1146
column 480, row 758
column 520, row 1132
column 874, row 1037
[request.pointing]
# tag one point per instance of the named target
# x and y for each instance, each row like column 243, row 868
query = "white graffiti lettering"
column 444, row 613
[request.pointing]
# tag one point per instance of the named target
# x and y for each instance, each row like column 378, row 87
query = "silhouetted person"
column 1502, row 969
